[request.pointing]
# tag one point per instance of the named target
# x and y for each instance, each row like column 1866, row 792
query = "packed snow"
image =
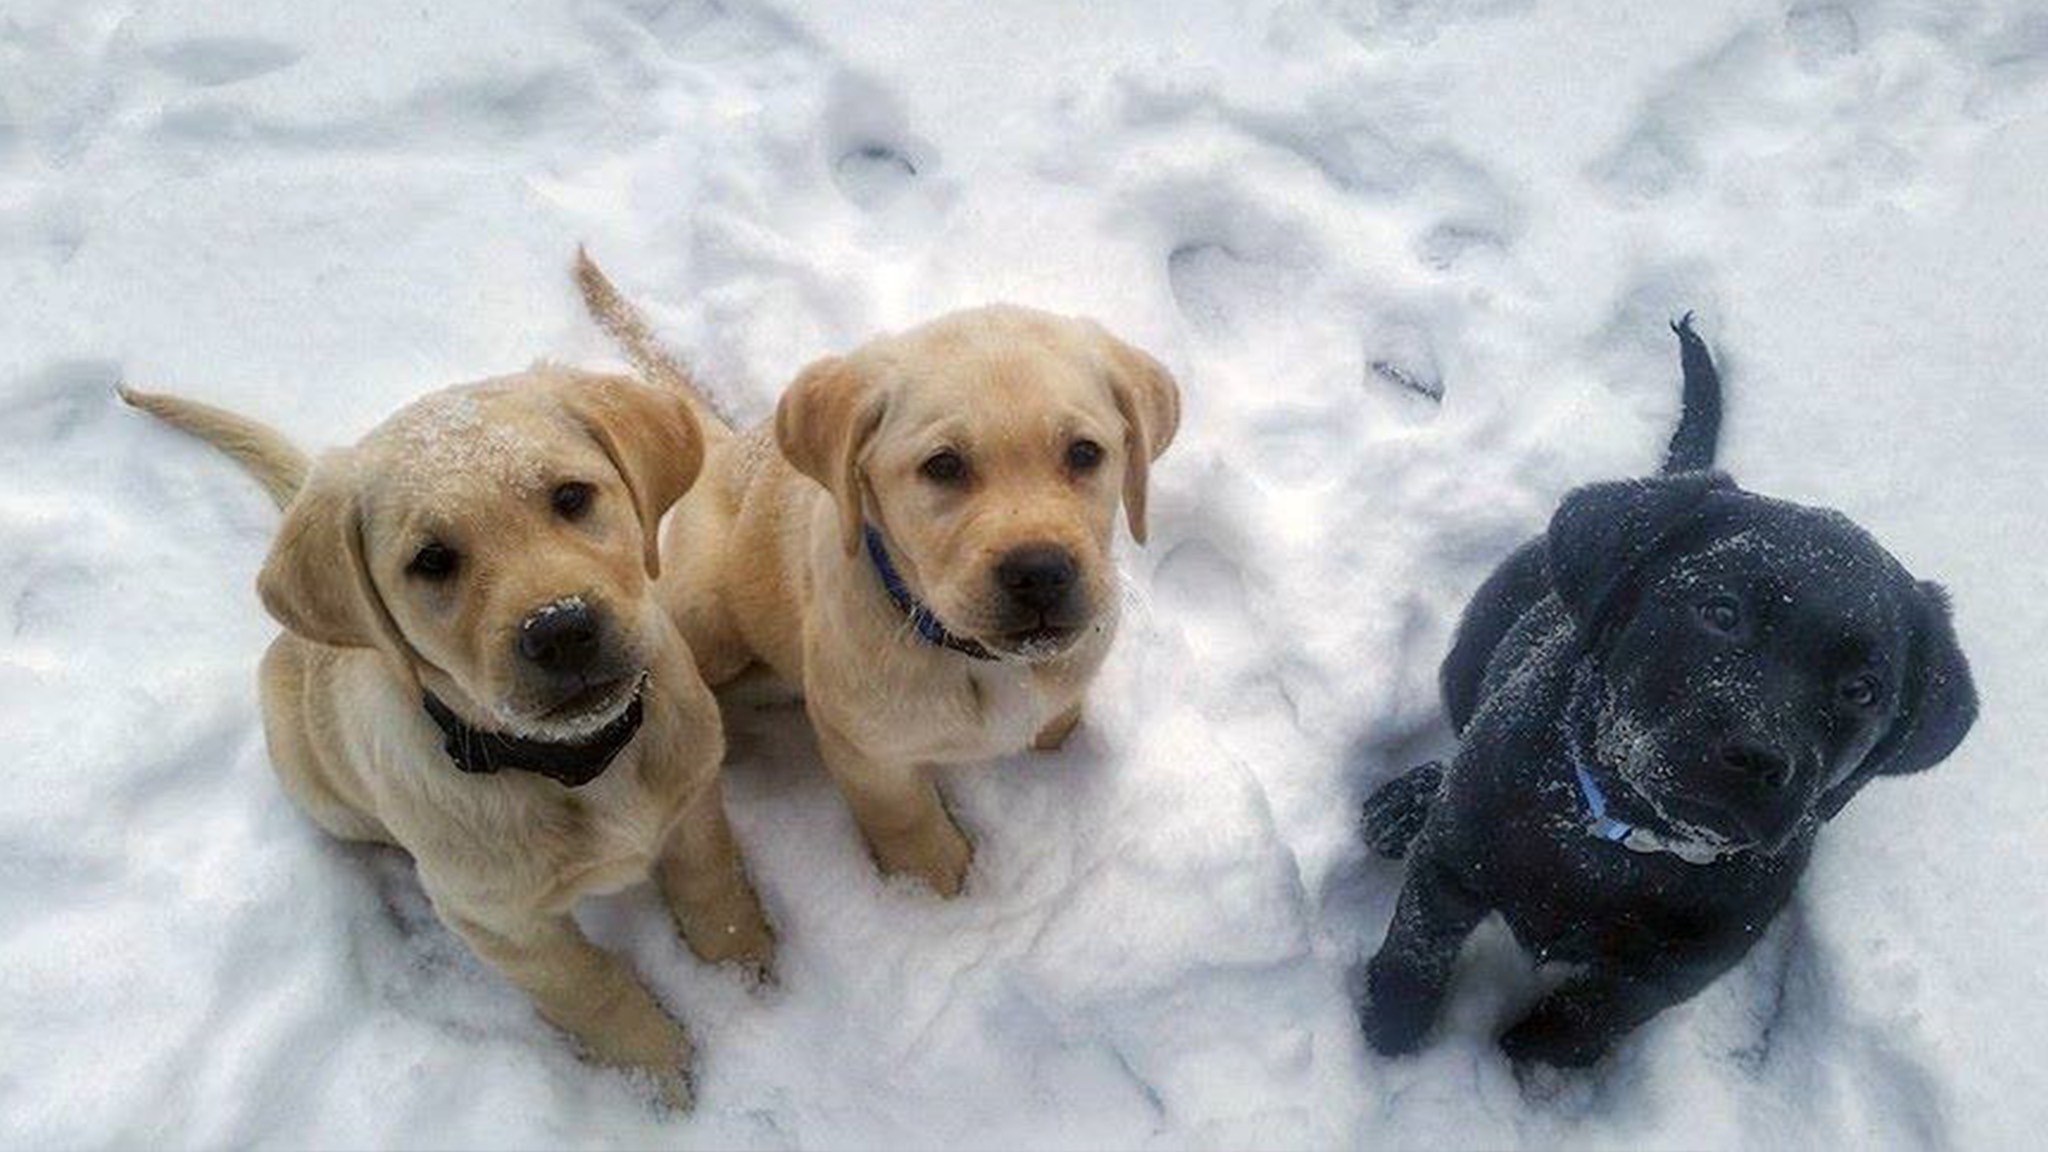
column 1412, row 262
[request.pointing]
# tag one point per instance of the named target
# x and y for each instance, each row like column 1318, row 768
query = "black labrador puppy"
column 1658, row 705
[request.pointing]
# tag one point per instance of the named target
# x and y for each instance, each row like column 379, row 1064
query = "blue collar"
column 1598, row 823
column 921, row 618
column 1601, row 826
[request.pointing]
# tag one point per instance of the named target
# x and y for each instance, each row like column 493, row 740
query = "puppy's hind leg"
column 1406, row 979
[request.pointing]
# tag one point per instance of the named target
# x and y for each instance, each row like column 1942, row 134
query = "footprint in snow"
column 1221, row 292
column 54, row 402
column 1821, row 34
column 210, row 61
column 1402, row 355
column 876, row 161
column 873, row 175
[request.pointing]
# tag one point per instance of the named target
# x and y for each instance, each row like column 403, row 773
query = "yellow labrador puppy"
column 476, row 669
column 921, row 540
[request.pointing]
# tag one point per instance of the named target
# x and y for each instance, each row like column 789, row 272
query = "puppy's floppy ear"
column 654, row 442
column 822, row 423
column 1940, row 700
column 1149, row 402
column 1603, row 532
column 1937, row 702
column 316, row 580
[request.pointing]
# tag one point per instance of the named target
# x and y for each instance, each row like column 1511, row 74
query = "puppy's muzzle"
column 1753, row 782
column 577, row 666
column 562, row 637
column 1038, row 582
column 1757, row 762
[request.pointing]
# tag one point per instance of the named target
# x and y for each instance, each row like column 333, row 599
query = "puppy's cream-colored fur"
column 764, row 561
column 504, row 857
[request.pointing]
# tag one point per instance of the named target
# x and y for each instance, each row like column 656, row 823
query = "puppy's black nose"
column 1758, row 761
column 561, row 636
column 1037, row 576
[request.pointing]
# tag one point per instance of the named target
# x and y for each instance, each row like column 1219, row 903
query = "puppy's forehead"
column 508, row 438
column 991, row 325
column 1002, row 362
column 1811, row 557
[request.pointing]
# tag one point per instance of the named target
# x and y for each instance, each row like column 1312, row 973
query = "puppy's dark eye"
column 1084, row 455
column 944, row 467
column 571, row 500
column 1721, row 614
column 434, row 561
column 1862, row 691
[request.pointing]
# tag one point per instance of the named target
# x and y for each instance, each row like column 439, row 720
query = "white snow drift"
column 1412, row 260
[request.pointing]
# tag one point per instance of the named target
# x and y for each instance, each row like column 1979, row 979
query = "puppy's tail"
column 619, row 318
column 1699, row 423
column 273, row 460
column 1396, row 811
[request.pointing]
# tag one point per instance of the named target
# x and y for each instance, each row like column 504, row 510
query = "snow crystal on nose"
column 555, row 608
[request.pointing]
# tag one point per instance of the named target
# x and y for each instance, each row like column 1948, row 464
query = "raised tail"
column 624, row 323
column 274, row 461
column 1699, row 422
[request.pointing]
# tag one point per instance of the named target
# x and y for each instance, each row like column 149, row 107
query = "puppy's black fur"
column 1726, row 670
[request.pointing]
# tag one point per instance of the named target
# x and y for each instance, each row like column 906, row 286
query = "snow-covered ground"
column 1315, row 212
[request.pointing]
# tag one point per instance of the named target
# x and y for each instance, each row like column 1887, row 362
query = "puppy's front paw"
column 678, row 1091
column 1397, row 1011
column 719, row 914
column 1547, row 1036
column 937, row 853
column 737, row 933
column 652, row 1045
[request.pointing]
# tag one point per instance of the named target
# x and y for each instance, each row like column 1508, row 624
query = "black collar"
column 922, row 618
column 571, row 764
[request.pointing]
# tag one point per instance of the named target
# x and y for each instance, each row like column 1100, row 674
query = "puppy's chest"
column 517, row 838
column 1569, row 896
column 610, row 832
column 1010, row 706
column 977, row 713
